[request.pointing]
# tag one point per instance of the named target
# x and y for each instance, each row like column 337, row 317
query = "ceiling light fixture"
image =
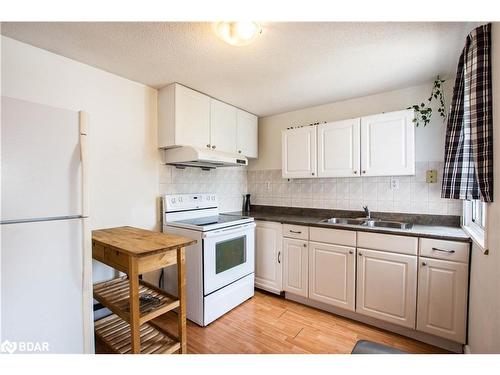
column 238, row 33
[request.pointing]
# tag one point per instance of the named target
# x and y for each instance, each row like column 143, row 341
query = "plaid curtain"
column 468, row 169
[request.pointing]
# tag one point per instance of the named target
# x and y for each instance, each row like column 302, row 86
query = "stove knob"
column 213, row 197
column 172, row 200
column 180, row 199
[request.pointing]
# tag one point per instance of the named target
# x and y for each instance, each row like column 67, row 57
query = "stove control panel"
column 185, row 202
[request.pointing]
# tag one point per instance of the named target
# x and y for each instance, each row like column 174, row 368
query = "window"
column 474, row 221
column 478, row 213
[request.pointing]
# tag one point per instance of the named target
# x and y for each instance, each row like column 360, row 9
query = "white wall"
column 122, row 119
column 429, row 140
column 484, row 304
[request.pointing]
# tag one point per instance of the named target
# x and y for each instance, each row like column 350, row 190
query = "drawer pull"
column 351, row 252
column 443, row 251
column 279, row 257
column 295, row 231
column 424, row 263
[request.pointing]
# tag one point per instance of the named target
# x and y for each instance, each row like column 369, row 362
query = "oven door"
column 228, row 255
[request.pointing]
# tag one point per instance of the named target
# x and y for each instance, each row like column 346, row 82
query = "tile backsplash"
column 267, row 187
column 414, row 194
column 228, row 183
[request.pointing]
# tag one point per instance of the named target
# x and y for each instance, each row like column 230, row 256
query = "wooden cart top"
column 138, row 242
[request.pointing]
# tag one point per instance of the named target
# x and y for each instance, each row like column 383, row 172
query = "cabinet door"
column 298, row 152
column 338, row 149
column 268, row 256
column 332, row 274
column 222, row 126
column 388, row 144
column 192, row 118
column 295, row 266
column 442, row 298
column 247, row 134
column 387, row 286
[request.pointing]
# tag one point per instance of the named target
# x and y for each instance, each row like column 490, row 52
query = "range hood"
column 187, row 156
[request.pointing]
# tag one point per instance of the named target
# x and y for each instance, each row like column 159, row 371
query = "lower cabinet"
column 332, row 274
column 442, row 298
column 387, row 286
column 268, row 256
column 381, row 283
column 295, row 266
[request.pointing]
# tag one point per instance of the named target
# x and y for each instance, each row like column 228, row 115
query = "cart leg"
column 181, row 279
column 134, row 306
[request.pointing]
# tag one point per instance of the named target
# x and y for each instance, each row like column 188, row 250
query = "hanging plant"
column 423, row 111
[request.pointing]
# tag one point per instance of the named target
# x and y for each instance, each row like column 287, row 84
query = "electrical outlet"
column 431, row 176
column 394, row 183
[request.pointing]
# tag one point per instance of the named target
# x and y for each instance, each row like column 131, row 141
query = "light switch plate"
column 431, row 176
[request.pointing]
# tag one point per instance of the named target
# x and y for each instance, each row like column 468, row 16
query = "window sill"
column 478, row 236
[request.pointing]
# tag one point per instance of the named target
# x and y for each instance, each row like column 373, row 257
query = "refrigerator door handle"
column 88, row 323
column 85, row 161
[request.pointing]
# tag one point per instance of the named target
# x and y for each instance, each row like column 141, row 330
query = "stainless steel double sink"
column 368, row 222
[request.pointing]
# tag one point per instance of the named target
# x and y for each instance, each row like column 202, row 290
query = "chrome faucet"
column 367, row 212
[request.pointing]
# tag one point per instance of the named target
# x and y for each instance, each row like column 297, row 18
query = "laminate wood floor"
column 271, row 324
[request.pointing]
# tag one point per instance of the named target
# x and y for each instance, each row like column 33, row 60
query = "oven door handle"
column 230, row 230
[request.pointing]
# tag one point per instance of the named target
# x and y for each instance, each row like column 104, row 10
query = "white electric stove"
column 220, row 266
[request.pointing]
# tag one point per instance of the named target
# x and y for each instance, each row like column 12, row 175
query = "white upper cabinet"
column 183, row 117
column 387, row 286
column 247, row 134
column 378, row 145
column 189, row 118
column 338, row 149
column 388, row 144
column 442, row 298
column 298, row 154
column 223, row 126
column 268, row 256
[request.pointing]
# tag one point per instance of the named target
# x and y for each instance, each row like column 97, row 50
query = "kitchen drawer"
column 447, row 250
column 333, row 236
column 388, row 242
column 296, row 231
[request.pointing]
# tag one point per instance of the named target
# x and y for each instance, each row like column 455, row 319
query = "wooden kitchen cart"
column 134, row 251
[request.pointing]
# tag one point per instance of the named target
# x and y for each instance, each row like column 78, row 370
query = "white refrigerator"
column 46, row 289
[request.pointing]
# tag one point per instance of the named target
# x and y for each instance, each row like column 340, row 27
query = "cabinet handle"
column 239, row 151
column 442, row 250
column 305, row 245
column 355, row 172
column 208, row 146
column 360, row 254
column 351, row 252
column 424, row 263
column 279, row 256
column 364, row 172
column 213, row 147
column 312, row 173
column 295, row 231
